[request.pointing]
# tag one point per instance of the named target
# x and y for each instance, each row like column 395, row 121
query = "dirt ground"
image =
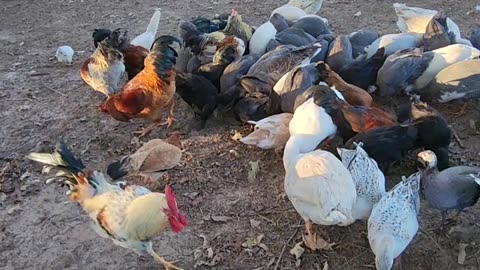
column 43, row 101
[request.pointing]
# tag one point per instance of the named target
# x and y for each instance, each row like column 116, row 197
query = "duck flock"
column 316, row 96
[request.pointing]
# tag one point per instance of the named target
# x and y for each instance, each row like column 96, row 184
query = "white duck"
column 415, row 19
column 369, row 179
column 394, row 42
column 265, row 32
column 320, row 188
column 413, row 69
column 147, row 38
column 289, row 12
column 270, row 133
column 393, row 222
column 309, row 6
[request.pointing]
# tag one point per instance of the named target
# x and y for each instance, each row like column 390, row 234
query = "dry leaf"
column 221, row 218
column 253, row 242
column 25, row 175
column 254, row 168
column 209, row 253
column 297, row 250
column 255, row 224
column 237, row 136
column 462, row 254
column 325, row 266
column 357, row 14
column 3, row 197
column 263, row 246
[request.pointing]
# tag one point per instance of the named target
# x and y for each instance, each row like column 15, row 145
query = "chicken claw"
column 313, row 241
column 169, row 121
column 145, row 131
column 166, row 264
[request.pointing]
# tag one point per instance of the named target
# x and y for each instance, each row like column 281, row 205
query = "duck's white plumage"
column 443, row 58
column 260, row 38
column 320, row 188
column 289, row 12
column 415, row 19
column 368, row 178
column 394, row 42
column 393, row 222
column 309, row 6
column 270, row 133
column 147, row 38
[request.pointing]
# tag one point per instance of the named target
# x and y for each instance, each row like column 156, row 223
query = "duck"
column 150, row 160
column 394, row 42
column 361, row 39
column 340, row 53
column 412, row 69
column 270, row 132
column 454, row 188
column 349, row 119
column 353, row 94
column 393, row 222
column 234, row 71
column 362, row 72
column 316, row 182
column 458, row 81
column 369, row 179
column 309, row 6
column 313, row 25
column 265, row 32
column 294, row 83
column 256, row 105
column 436, row 33
column 290, row 12
column 415, row 20
column 475, row 36
column 263, row 75
column 294, row 36
column 434, row 132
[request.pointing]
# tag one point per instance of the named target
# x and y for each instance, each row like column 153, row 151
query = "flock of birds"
column 302, row 87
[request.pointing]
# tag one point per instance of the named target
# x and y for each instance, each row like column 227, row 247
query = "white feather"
column 394, row 42
column 147, row 38
column 64, row 55
column 261, row 37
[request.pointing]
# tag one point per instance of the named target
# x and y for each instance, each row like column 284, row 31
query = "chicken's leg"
column 167, row 265
column 312, row 240
column 147, row 130
column 170, row 119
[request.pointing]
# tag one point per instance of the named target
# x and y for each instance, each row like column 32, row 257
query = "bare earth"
column 43, row 101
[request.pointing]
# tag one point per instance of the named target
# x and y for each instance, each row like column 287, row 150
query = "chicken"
column 199, row 93
column 131, row 216
column 353, row 94
column 349, row 119
column 152, row 90
column 217, row 23
column 146, row 39
column 64, row 55
column 133, row 56
column 104, row 71
column 204, row 45
column 150, row 160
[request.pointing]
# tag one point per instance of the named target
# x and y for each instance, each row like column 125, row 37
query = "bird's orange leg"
column 147, row 130
column 166, row 264
column 170, row 119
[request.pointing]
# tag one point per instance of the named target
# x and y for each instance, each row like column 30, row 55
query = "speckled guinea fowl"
column 368, row 178
column 455, row 188
column 393, row 222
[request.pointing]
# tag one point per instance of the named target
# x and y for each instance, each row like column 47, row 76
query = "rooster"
column 148, row 93
column 104, row 71
column 131, row 215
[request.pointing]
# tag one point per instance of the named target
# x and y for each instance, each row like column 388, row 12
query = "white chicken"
column 393, row 222
column 131, row 216
column 309, row 6
column 147, row 38
column 415, row 19
column 369, row 179
column 270, row 133
column 64, row 55
column 320, row 188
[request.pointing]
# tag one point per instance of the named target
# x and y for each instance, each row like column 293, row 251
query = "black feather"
column 74, row 165
column 99, row 35
column 118, row 168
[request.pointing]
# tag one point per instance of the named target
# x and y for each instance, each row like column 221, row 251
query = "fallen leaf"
column 255, row 224
column 3, row 197
column 221, row 218
column 260, row 238
column 209, row 253
column 263, row 246
column 462, row 254
column 14, row 208
column 357, row 14
column 25, row 175
column 24, row 187
column 297, row 250
column 254, row 168
column 135, row 141
column 325, row 266
column 236, row 136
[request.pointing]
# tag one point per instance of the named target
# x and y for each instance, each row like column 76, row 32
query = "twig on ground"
column 455, row 135
column 285, row 245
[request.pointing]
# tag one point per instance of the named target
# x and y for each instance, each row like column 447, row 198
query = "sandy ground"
column 43, row 101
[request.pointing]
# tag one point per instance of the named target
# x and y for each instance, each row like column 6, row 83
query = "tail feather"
column 162, row 56
column 118, row 168
column 154, row 21
column 62, row 158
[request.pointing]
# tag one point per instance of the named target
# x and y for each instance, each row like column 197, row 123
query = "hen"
column 131, row 216
column 104, row 70
column 148, row 93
